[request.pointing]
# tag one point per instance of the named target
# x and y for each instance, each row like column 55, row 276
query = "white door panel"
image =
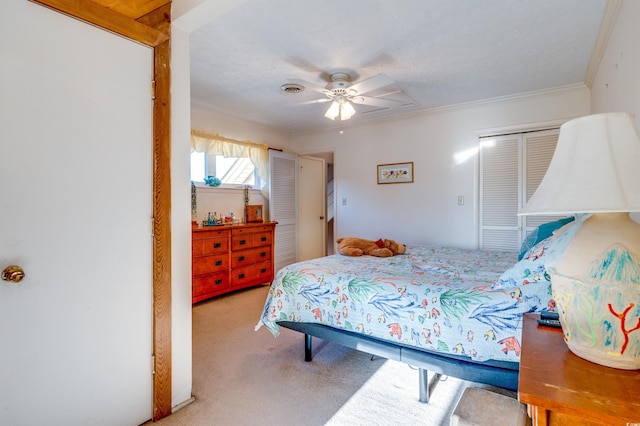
column 312, row 227
column 283, row 205
column 75, row 209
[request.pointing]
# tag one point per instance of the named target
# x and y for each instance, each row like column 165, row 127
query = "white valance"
column 215, row 144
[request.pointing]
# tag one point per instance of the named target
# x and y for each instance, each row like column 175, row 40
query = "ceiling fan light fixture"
column 333, row 111
column 346, row 111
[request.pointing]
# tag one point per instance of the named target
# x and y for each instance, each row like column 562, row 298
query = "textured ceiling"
column 438, row 53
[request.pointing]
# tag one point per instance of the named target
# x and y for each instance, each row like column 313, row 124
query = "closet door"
column 283, row 206
column 511, row 168
column 538, row 148
column 500, row 193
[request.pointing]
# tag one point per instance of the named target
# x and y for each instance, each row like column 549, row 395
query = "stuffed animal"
column 351, row 246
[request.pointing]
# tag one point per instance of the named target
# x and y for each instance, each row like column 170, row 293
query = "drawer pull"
column 263, row 239
column 217, row 245
column 219, row 281
column 263, row 254
column 263, row 270
column 218, row 262
column 240, row 258
column 243, row 242
column 241, row 276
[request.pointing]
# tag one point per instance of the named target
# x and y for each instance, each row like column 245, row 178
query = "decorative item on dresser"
column 254, row 213
column 230, row 257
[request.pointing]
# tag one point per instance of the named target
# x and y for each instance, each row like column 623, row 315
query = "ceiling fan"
column 342, row 93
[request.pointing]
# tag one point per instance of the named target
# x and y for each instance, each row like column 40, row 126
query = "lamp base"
column 599, row 322
column 596, row 286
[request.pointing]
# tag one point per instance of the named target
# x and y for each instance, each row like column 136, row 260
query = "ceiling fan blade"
column 316, row 101
column 373, row 83
column 368, row 100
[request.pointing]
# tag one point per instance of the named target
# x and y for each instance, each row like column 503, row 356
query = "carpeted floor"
column 247, row 377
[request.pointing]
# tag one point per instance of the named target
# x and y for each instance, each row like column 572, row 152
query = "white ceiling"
column 438, row 52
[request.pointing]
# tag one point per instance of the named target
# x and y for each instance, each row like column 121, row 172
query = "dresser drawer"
column 210, row 246
column 209, row 284
column 251, row 229
column 240, row 242
column 246, row 257
column 209, row 264
column 258, row 273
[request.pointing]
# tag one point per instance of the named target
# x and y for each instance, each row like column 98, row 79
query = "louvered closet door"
column 539, row 148
column 511, row 168
column 499, row 193
column 283, row 206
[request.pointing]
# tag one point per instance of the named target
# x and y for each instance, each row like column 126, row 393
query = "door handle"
column 13, row 274
column 321, row 217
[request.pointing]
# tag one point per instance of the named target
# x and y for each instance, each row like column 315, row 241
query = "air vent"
column 292, row 88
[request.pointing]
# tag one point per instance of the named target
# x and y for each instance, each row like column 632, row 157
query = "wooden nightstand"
column 561, row 388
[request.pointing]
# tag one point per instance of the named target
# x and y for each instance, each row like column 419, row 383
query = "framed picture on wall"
column 395, row 173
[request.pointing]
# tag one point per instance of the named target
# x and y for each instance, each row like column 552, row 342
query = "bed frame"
column 502, row 374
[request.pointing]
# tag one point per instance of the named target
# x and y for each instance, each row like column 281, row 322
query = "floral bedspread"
column 443, row 299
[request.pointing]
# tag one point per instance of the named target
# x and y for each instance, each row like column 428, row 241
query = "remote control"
column 549, row 315
column 549, row 322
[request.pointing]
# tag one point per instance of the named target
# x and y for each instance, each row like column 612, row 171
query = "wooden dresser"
column 230, row 257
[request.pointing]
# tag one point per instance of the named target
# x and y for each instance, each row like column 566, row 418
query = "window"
column 230, row 170
column 234, row 162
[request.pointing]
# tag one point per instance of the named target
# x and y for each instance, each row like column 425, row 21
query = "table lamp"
column 596, row 282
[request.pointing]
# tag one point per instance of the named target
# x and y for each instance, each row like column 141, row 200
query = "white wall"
column 238, row 129
column 616, row 87
column 225, row 200
column 426, row 211
column 181, row 353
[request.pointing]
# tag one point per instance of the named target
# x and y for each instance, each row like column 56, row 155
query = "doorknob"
column 13, row 274
column 321, row 217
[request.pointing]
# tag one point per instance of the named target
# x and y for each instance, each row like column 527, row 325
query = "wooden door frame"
column 152, row 30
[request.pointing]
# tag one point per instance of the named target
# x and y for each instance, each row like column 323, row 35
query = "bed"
column 450, row 311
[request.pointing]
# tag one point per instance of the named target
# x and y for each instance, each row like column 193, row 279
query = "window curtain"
column 214, row 144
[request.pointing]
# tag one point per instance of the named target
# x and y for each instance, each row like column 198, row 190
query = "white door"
column 283, row 206
column 511, row 168
column 75, row 209
column 312, row 208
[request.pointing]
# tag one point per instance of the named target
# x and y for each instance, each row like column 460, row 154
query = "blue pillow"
column 542, row 232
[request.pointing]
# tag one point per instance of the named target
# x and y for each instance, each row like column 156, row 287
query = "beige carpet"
column 247, row 377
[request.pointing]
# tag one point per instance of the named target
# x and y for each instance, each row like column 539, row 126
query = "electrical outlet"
column 460, row 200
column 344, row 201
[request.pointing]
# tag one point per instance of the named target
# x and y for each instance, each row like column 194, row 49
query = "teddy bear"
column 351, row 246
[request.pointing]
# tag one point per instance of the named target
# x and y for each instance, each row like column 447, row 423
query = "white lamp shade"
column 333, row 111
column 347, row 111
column 595, row 169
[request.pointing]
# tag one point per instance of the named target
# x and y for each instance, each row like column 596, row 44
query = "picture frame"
column 395, row 173
column 254, row 213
